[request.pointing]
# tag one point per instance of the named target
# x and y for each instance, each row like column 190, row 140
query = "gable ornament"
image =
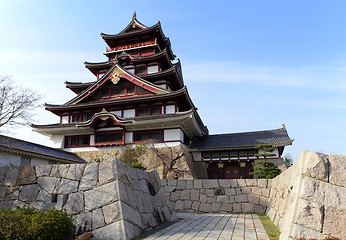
column 115, row 76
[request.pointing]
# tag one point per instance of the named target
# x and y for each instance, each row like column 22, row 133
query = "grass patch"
column 272, row 231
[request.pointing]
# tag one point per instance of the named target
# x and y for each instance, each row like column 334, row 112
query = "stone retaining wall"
column 109, row 199
column 309, row 199
column 222, row 195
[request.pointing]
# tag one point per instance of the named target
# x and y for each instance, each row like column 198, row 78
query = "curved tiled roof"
column 29, row 148
column 276, row 137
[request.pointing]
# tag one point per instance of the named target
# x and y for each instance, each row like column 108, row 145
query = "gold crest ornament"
column 115, row 76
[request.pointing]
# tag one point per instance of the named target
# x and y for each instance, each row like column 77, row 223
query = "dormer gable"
column 119, row 83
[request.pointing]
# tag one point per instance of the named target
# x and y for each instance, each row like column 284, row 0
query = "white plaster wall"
column 118, row 113
column 129, row 113
column 92, row 140
column 170, row 109
column 128, row 137
column 56, row 141
column 173, row 135
column 9, row 159
column 64, row 119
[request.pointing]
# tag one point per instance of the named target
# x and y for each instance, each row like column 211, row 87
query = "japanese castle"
column 138, row 95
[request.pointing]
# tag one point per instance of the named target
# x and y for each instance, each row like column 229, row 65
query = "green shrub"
column 138, row 165
column 30, row 223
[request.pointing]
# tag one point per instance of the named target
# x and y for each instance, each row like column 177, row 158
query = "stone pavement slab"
column 213, row 226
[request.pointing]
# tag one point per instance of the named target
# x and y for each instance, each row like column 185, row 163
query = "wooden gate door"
column 232, row 170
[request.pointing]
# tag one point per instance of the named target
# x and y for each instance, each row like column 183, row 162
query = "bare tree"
column 16, row 103
column 169, row 158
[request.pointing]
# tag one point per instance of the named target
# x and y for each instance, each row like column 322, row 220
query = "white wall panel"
column 170, row 109
column 173, row 135
column 129, row 113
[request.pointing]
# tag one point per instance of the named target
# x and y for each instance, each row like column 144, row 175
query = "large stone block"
column 253, row 198
column 28, row 193
column 251, row 182
column 225, row 183
column 334, row 223
column 66, row 186
column 189, row 184
column 211, row 199
column 3, row 191
column 197, row 183
column 248, row 207
column 230, row 191
column 97, row 219
column 82, row 222
column 337, row 169
column 185, row 195
column 131, row 215
column 112, row 212
column 257, row 190
column 234, row 183
column 262, row 183
column 181, row 185
column 48, row 183
column 27, row 175
column 138, row 196
column 309, row 214
column 222, row 199
column 195, row 205
column 90, row 177
column 241, row 182
column 107, row 171
column 59, row 171
column 205, row 207
column 236, row 207
column 101, row 196
column 11, row 176
column 172, row 182
column 215, row 207
column 241, row 198
column 227, row 207
column 75, row 203
column 210, row 183
column 175, row 196
column 179, row 205
column 114, row 231
column 209, row 192
column 43, row 170
column 326, row 194
column 194, row 195
column 187, row 204
column 203, row 198
column 300, row 232
column 75, row 171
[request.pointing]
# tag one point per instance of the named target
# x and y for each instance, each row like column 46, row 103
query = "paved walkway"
column 214, row 226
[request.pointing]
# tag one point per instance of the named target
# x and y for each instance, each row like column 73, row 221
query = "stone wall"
column 108, row 198
column 188, row 168
column 219, row 195
column 309, row 199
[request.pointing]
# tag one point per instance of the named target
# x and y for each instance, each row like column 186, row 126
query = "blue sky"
column 248, row 65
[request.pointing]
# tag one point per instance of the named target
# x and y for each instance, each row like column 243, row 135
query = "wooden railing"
column 131, row 46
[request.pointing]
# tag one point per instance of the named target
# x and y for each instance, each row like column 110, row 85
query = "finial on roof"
column 134, row 16
column 283, row 126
